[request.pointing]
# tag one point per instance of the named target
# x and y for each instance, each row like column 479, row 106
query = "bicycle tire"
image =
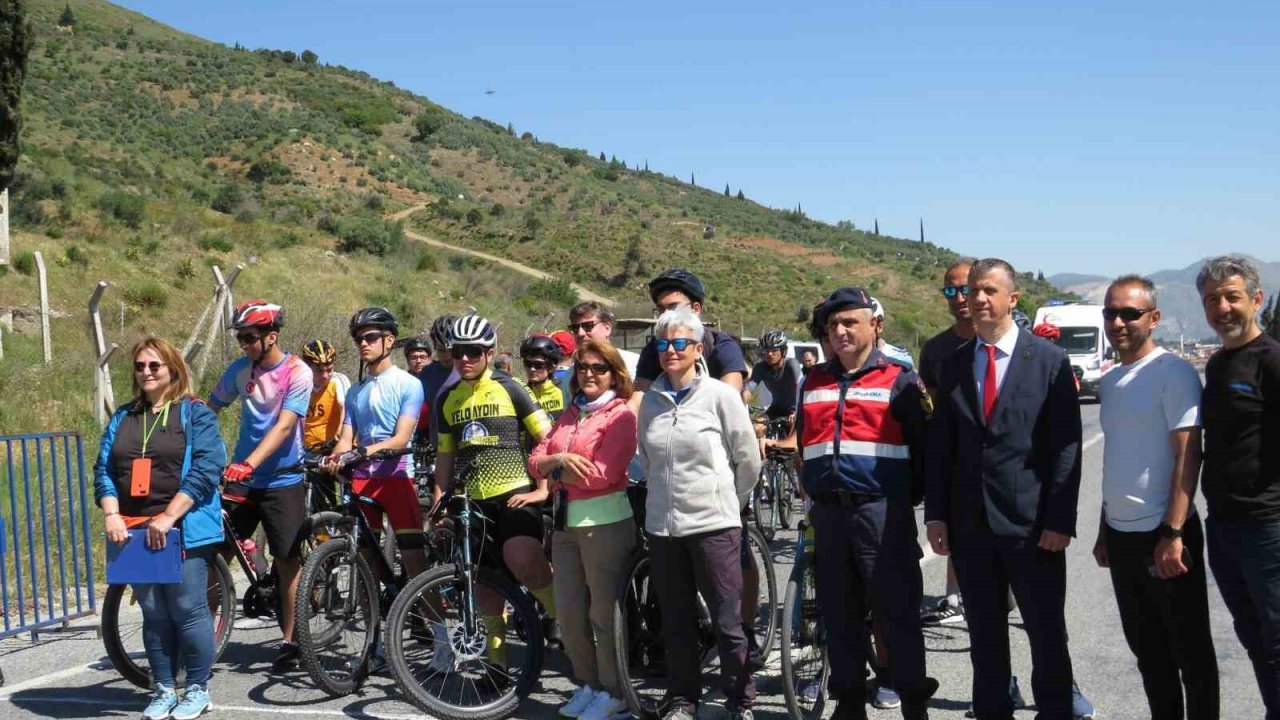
column 123, row 642
column 803, row 647
column 322, row 576
column 765, row 624
column 766, row 497
column 786, row 492
column 409, row 653
column 637, row 636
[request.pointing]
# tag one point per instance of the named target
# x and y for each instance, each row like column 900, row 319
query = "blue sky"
column 1089, row 136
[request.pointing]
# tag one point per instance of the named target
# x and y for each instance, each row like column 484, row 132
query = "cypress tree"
column 15, row 42
column 67, row 18
column 877, row 231
column 726, row 190
column 740, row 195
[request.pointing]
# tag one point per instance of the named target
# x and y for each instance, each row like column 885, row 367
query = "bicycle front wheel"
column 452, row 662
column 787, row 489
column 765, row 622
column 122, row 624
column 766, row 502
column 337, row 616
column 804, row 647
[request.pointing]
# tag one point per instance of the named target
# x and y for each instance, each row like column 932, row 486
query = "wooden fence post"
column 44, row 309
column 4, row 226
column 104, row 397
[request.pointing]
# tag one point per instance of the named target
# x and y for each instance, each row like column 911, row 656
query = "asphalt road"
column 67, row 675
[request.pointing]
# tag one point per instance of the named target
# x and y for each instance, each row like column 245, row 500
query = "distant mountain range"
column 1180, row 307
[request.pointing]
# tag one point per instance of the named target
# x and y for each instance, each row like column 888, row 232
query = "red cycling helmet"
column 1047, row 331
column 257, row 313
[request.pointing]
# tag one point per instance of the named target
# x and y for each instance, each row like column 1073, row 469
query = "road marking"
column 48, row 679
column 99, row 702
column 927, row 549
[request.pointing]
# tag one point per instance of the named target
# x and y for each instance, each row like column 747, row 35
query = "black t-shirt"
column 166, row 447
column 782, row 386
column 937, row 349
column 722, row 354
column 1240, row 412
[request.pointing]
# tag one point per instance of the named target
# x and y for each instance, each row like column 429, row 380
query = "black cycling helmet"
column 440, row 330
column 540, row 346
column 472, row 330
column 415, row 344
column 678, row 279
column 374, row 317
column 1020, row 319
column 773, row 340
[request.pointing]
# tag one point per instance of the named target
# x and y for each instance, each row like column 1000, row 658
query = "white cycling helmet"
column 472, row 330
column 877, row 310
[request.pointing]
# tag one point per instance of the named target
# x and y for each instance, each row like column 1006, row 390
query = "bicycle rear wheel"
column 766, row 502
column 765, row 622
column 122, row 625
column 804, row 650
column 448, row 670
column 337, row 620
column 787, row 491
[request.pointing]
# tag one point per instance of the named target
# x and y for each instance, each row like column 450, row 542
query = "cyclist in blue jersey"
column 274, row 388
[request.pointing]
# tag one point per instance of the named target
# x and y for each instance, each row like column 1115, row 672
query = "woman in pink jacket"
column 587, row 455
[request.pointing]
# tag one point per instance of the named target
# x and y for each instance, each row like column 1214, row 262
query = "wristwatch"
column 1168, row 532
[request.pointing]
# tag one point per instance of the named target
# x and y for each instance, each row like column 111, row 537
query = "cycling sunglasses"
column 951, row 291
column 368, row 338
column 535, row 364
column 596, row 369
column 247, row 338
column 585, row 326
column 1127, row 314
column 468, row 352
column 680, row 344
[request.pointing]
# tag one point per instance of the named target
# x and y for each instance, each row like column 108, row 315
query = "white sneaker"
column 582, row 698
column 605, row 707
column 442, row 654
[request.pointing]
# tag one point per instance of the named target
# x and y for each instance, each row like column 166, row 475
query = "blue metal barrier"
column 46, row 554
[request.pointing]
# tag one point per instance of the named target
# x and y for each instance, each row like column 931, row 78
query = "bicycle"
column 773, row 496
column 439, row 646
column 805, row 671
column 637, row 620
column 122, row 639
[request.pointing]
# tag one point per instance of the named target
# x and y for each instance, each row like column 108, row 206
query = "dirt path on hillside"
column 583, row 293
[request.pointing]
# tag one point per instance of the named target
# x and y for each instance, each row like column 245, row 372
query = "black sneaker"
column 287, row 659
column 551, row 634
column 944, row 613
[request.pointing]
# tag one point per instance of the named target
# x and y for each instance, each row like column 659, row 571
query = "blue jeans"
column 1245, row 557
column 176, row 619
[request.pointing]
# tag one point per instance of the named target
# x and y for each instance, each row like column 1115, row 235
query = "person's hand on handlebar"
column 339, row 460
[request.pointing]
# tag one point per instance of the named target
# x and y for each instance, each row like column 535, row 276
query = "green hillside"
column 150, row 155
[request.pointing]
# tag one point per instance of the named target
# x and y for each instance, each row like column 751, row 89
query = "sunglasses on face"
column 1127, row 314
column 597, row 369
column 466, row 352
column 154, row 366
column 585, row 326
column 368, row 338
column 951, row 291
column 536, row 364
column 680, row 344
column 247, row 338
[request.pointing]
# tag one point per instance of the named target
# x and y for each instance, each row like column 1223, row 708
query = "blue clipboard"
column 134, row 562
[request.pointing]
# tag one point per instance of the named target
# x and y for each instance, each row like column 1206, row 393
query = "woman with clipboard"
column 158, row 470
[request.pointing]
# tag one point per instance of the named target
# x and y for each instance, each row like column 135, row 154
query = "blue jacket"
column 201, row 471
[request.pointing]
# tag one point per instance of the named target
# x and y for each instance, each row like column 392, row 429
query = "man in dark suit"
column 1002, row 476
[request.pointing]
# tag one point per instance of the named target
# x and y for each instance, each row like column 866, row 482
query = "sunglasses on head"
column 951, row 291
column 535, row 364
column 1127, row 314
column 680, row 344
column 468, row 352
column 154, row 366
column 247, row 338
column 368, row 338
column 593, row 368
column 585, row 326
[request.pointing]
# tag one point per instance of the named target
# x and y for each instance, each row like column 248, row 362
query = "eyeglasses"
column 535, row 364
column 1127, row 314
column 247, row 338
column 680, row 344
column 368, row 338
column 593, row 368
column 154, row 366
column 468, row 352
column 951, row 291
column 585, row 326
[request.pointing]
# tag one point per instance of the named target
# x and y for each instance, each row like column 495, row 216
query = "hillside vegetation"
column 150, row 155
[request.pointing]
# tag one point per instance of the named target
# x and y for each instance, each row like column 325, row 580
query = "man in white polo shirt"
column 1151, row 536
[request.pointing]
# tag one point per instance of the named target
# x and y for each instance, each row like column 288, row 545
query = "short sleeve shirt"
column 324, row 413
column 264, row 393
column 1141, row 404
column 722, row 354
column 373, row 409
column 780, row 385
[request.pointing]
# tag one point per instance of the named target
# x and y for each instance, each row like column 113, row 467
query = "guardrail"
column 46, row 552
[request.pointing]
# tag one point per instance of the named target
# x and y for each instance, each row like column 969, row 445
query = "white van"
column 1084, row 339
column 796, row 349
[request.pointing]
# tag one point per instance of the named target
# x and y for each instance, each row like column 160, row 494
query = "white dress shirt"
column 1004, row 350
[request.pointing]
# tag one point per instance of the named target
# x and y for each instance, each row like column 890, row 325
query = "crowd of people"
column 985, row 431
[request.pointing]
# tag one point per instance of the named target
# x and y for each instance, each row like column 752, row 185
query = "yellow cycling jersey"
column 481, row 424
column 550, row 396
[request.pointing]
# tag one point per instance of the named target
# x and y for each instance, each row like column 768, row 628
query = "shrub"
column 427, row 262
column 227, row 199
column 25, row 263
column 147, row 295
column 215, row 243
column 497, row 210
column 186, row 269
column 126, row 207
column 558, row 292
column 76, row 256
column 474, row 216
column 366, row 233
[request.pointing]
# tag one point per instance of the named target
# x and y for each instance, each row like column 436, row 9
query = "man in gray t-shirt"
column 1150, row 535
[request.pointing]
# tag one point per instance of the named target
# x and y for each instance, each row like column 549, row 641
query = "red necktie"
column 989, row 383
